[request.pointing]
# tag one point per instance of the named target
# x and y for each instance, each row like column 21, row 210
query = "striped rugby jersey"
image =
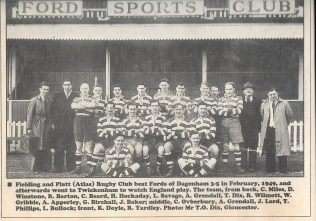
column 154, row 125
column 133, row 127
column 184, row 100
column 118, row 158
column 206, row 126
column 177, row 129
column 165, row 102
column 195, row 155
column 119, row 105
column 108, row 127
column 230, row 106
column 86, row 111
column 210, row 102
column 144, row 104
column 100, row 107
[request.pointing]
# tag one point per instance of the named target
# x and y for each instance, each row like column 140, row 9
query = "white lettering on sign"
column 50, row 8
column 164, row 8
column 261, row 7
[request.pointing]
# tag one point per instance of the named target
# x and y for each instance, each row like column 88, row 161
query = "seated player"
column 119, row 160
column 206, row 127
column 164, row 97
column 154, row 132
column 132, row 129
column 142, row 100
column 119, row 102
column 180, row 97
column 108, row 127
column 83, row 125
column 178, row 134
column 195, row 160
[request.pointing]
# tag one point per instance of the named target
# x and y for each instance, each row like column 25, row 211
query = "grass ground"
column 18, row 166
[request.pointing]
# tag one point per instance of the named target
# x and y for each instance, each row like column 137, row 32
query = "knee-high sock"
column 147, row 160
column 237, row 155
column 169, row 160
column 159, row 160
column 78, row 157
column 89, row 159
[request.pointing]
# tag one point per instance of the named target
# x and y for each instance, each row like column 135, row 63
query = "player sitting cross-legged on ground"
column 195, row 160
column 118, row 160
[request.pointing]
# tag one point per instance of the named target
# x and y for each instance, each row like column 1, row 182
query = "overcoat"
column 63, row 118
column 250, row 120
column 282, row 117
column 39, row 121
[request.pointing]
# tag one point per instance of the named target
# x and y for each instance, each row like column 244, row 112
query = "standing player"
column 181, row 98
column 211, row 102
column 119, row 160
column 206, row 126
column 83, row 125
column 142, row 100
column 119, row 102
column 195, row 160
column 230, row 107
column 164, row 97
column 108, row 127
column 178, row 134
column 132, row 129
column 154, row 132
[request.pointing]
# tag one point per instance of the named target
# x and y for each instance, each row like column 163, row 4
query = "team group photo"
column 164, row 135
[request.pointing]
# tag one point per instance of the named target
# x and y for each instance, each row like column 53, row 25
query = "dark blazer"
column 250, row 120
column 63, row 118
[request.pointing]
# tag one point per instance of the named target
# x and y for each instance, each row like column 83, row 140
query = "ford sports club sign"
column 50, row 8
column 117, row 8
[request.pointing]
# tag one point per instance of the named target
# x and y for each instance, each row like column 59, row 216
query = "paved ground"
column 18, row 166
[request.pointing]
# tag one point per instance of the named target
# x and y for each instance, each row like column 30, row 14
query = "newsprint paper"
column 160, row 154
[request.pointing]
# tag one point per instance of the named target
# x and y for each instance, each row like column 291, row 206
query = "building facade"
column 141, row 41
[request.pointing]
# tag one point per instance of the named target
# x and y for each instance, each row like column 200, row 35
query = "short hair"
column 205, row 83
column 154, row 101
column 178, row 104
column 194, row 132
column 164, row 80
column 230, row 83
column 44, row 83
column 116, row 85
column 66, row 81
column 272, row 89
column 181, row 84
column 131, row 103
column 97, row 85
column 201, row 103
column 118, row 135
column 213, row 85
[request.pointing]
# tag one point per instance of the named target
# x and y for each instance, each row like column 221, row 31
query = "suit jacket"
column 63, row 118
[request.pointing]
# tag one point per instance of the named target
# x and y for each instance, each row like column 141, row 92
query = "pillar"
column 204, row 65
column 107, row 71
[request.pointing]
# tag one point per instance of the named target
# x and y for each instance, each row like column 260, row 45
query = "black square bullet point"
column 9, row 184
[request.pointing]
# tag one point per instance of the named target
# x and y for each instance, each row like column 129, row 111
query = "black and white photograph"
column 205, row 91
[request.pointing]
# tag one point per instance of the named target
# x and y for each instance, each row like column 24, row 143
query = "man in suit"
column 250, row 121
column 63, row 119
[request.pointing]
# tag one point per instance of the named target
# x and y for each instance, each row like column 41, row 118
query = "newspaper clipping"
column 163, row 109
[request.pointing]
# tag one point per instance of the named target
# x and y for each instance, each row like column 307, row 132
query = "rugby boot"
column 77, row 170
column 91, row 172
